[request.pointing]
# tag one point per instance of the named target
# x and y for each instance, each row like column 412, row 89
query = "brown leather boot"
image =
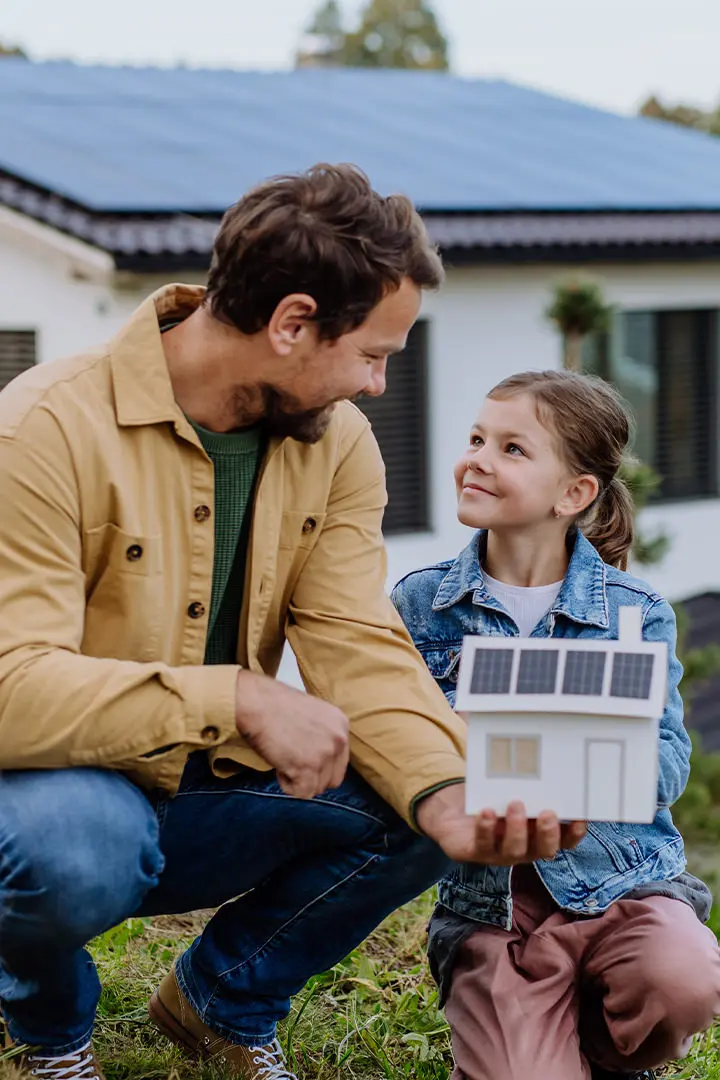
column 82, row 1065
column 173, row 1014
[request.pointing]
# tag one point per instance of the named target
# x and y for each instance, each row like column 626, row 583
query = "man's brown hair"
column 324, row 232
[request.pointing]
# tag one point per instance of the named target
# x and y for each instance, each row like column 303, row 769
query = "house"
column 112, row 181
column 567, row 724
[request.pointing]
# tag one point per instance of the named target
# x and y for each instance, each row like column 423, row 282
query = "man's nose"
column 378, row 380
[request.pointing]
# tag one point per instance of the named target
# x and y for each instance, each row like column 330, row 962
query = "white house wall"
column 485, row 324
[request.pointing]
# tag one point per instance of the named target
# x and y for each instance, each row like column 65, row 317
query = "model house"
column 569, row 725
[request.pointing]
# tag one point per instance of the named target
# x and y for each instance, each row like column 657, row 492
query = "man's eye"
column 475, row 440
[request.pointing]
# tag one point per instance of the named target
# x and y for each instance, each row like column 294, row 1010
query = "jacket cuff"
column 210, row 697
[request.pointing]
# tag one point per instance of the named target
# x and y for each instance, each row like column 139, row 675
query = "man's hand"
column 489, row 839
column 304, row 738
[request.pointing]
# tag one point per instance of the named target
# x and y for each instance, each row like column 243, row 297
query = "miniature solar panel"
column 632, row 675
column 491, row 671
column 584, row 672
column 537, row 672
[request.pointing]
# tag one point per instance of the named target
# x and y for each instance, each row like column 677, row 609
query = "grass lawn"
column 374, row 1016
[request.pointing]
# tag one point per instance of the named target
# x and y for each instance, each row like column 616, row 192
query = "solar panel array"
column 584, row 672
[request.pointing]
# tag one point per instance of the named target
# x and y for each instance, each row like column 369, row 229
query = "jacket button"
column 309, row 525
column 210, row 734
column 202, row 513
column 133, row 553
column 196, row 610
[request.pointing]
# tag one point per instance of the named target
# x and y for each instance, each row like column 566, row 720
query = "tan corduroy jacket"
column 106, row 555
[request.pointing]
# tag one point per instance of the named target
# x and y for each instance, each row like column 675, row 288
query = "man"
column 175, row 505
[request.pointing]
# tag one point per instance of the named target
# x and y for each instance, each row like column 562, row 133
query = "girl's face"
column 511, row 475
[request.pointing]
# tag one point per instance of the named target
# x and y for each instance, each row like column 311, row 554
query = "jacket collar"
column 143, row 391
column 582, row 598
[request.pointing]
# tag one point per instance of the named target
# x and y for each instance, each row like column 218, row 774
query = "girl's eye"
column 514, row 449
column 475, row 440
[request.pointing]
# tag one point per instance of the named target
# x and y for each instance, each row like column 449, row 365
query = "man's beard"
column 283, row 418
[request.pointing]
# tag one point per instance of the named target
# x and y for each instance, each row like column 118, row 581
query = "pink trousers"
column 626, row 989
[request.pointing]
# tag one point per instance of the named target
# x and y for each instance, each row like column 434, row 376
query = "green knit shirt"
column 235, row 457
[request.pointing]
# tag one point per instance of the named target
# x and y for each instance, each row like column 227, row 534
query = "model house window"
column 400, row 421
column 513, row 756
column 665, row 364
column 17, row 353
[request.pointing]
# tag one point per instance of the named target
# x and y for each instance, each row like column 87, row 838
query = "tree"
column 391, row 34
column 578, row 309
column 12, row 50
column 324, row 39
column 683, row 115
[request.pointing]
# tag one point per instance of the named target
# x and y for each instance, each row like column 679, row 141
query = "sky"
column 611, row 53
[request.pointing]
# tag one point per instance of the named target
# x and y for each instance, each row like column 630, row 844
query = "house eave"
column 160, row 242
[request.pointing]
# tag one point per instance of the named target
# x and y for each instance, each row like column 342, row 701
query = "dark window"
column 537, row 672
column 491, row 671
column 400, row 421
column 632, row 675
column 17, row 353
column 584, row 673
column 664, row 363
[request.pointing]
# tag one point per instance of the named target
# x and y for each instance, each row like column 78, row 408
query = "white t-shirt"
column 526, row 605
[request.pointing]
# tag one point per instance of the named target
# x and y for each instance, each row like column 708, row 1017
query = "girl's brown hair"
column 593, row 427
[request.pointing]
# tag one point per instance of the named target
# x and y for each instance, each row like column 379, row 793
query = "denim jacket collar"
column 582, row 598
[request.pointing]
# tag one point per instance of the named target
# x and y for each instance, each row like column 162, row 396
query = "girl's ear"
column 580, row 493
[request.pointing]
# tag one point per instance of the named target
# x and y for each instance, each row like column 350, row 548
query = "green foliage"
column 697, row 811
column 642, row 481
column 397, row 34
column 579, row 307
column 12, row 50
column 391, row 34
column 683, row 115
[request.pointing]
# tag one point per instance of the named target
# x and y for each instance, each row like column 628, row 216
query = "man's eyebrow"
column 384, row 349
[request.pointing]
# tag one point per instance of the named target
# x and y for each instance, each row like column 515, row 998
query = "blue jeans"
column 83, row 849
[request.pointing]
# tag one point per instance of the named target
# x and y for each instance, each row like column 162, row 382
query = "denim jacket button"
column 591, row 903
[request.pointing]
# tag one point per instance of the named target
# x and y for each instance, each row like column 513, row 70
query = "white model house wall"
column 569, row 746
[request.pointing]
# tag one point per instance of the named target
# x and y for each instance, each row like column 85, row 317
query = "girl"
column 595, row 962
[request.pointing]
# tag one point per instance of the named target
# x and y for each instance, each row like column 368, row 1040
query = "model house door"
column 604, row 767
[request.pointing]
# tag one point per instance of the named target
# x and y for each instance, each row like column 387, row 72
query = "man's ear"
column 580, row 493
column 289, row 322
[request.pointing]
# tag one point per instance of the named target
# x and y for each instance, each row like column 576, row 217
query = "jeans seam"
column 237, row 1038
column 271, row 795
column 239, row 967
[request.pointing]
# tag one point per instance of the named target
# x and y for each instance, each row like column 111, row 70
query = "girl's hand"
column 489, row 839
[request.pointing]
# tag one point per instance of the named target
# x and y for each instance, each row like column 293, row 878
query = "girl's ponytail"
column 609, row 525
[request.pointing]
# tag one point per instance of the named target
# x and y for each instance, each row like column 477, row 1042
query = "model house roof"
column 145, row 160
column 535, row 675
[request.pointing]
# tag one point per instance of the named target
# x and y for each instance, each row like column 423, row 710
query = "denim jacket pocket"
column 443, row 662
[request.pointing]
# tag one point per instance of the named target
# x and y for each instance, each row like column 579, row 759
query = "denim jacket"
column 440, row 605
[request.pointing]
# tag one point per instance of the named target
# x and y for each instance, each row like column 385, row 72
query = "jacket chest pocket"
column 124, row 577
column 443, row 663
